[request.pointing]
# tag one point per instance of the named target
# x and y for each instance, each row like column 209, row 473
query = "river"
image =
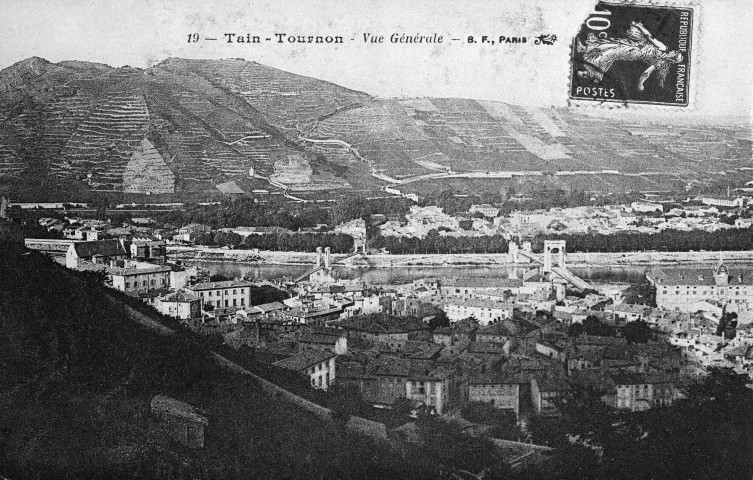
column 398, row 275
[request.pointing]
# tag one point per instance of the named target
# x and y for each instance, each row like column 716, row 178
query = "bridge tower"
column 318, row 256
column 327, row 259
column 554, row 248
column 512, row 248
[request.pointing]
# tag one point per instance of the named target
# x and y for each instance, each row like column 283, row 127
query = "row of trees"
column 283, row 242
column 667, row 240
column 434, row 243
column 634, row 332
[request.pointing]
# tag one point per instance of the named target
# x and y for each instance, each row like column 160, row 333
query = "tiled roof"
column 551, row 384
column 303, row 360
column 383, row 323
column 318, row 339
column 171, row 406
column 184, row 297
column 125, row 272
column 498, row 378
column 220, row 285
column 499, row 328
column 697, row 276
column 486, row 347
column 483, row 282
column 268, row 307
column 107, row 248
column 479, row 303
column 298, row 313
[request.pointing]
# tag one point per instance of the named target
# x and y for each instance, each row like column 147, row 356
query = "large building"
column 223, row 294
column 684, row 289
column 142, row 277
column 100, row 251
column 500, row 390
column 485, row 311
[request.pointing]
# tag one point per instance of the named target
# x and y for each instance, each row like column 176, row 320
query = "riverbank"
column 688, row 259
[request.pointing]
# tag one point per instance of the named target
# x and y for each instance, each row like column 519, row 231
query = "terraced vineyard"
column 203, row 128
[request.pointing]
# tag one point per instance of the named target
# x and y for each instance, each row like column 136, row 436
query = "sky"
column 141, row 33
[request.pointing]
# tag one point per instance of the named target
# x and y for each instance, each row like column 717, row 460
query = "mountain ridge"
column 233, row 126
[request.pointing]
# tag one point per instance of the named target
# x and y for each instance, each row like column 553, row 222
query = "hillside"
column 205, row 128
column 77, row 376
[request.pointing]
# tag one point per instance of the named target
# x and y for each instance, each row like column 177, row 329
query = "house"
column 500, row 390
column 483, row 310
column 100, row 252
column 460, row 331
column 143, row 221
column 181, row 276
column 550, row 350
column 152, row 250
column 270, row 308
column 583, row 358
column 139, row 277
column 499, row 332
column 481, row 287
column 318, row 365
column 390, row 379
column 230, row 293
column 380, row 327
column 429, row 387
column 337, row 344
column 722, row 201
column 489, row 350
column 185, row 423
column 627, row 312
column 313, row 316
column 485, row 209
column 638, row 392
column 190, row 232
column 180, row 305
column 544, row 393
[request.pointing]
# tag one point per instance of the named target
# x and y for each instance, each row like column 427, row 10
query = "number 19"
column 193, row 37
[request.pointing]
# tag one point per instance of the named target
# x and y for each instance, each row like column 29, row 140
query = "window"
column 233, row 291
column 243, row 302
column 235, row 302
column 128, row 284
column 152, row 282
column 162, row 281
column 241, row 290
column 210, row 294
column 227, row 303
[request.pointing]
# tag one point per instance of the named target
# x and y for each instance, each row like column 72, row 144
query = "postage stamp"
column 630, row 53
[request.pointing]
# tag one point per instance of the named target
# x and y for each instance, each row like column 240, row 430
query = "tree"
column 637, row 332
column 576, row 329
column 593, row 326
column 440, row 320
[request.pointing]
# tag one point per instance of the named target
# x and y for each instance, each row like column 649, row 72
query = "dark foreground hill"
column 76, row 379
